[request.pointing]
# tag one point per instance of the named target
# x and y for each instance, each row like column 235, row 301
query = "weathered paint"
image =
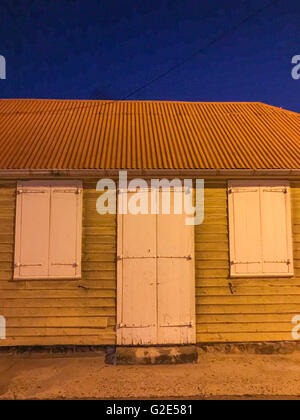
column 241, row 309
column 61, row 312
column 156, row 280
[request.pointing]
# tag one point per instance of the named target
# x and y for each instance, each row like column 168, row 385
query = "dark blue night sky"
column 106, row 49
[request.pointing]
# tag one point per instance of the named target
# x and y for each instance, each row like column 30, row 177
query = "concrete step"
column 122, row 355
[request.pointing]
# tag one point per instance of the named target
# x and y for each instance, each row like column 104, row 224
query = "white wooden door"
column 156, row 278
column 176, row 277
column 136, row 268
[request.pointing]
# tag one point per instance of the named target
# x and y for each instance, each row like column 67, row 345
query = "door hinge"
column 16, row 265
column 121, row 325
column 190, row 325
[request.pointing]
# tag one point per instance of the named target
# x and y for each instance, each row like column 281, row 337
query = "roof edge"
column 149, row 173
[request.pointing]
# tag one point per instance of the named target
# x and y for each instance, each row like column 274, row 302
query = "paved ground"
column 85, row 375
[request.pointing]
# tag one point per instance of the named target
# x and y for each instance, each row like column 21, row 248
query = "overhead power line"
column 185, row 60
column 200, row 50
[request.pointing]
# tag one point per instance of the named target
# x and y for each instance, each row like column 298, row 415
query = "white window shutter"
column 276, row 229
column 32, row 230
column 65, row 230
column 244, row 228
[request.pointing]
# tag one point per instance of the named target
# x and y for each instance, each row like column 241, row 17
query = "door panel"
column 175, row 300
column 139, row 233
column 138, row 324
column 175, row 238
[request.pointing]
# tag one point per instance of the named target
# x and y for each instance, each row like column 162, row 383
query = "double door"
column 156, row 277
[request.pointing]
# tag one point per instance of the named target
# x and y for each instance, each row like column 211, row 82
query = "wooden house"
column 70, row 275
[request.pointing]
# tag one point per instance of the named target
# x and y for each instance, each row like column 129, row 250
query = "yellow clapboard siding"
column 11, row 285
column 7, row 229
column 59, row 312
column 248, row 291
column 296, row 263
column 97, row 222
column 57, row 322
column 247, row 300
column 96, row 247
column 63, row 284
column 210, row 272
column 6, row 275
column 6, row 265
column 6, row 238
column 211, row 264
column 210, row 255
column 243, row 337
column 47, row 312
column 215, row 202
column 99, row 275
column 5, row 256
column 248, row 282
column 250, row 327
column 58, row 293
column 99, row 230
column 98, row 239
column 211, row 246
column 96, row 265
column 6, row 248
column 104, row 257
column 49, row 331
column 99, row 340
column 215, row 238
column 244, row 318
column 211, row 229
column 248, row 309
column 257, row 302
column 57, row 303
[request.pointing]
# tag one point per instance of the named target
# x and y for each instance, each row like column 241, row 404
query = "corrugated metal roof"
column 72, row 134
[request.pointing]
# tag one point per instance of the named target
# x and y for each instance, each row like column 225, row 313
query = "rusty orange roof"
column 81, row 134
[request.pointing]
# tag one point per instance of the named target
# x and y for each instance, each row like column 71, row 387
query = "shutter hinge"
column 27, row 265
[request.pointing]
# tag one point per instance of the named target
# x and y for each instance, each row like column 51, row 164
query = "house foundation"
column 152, row 355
